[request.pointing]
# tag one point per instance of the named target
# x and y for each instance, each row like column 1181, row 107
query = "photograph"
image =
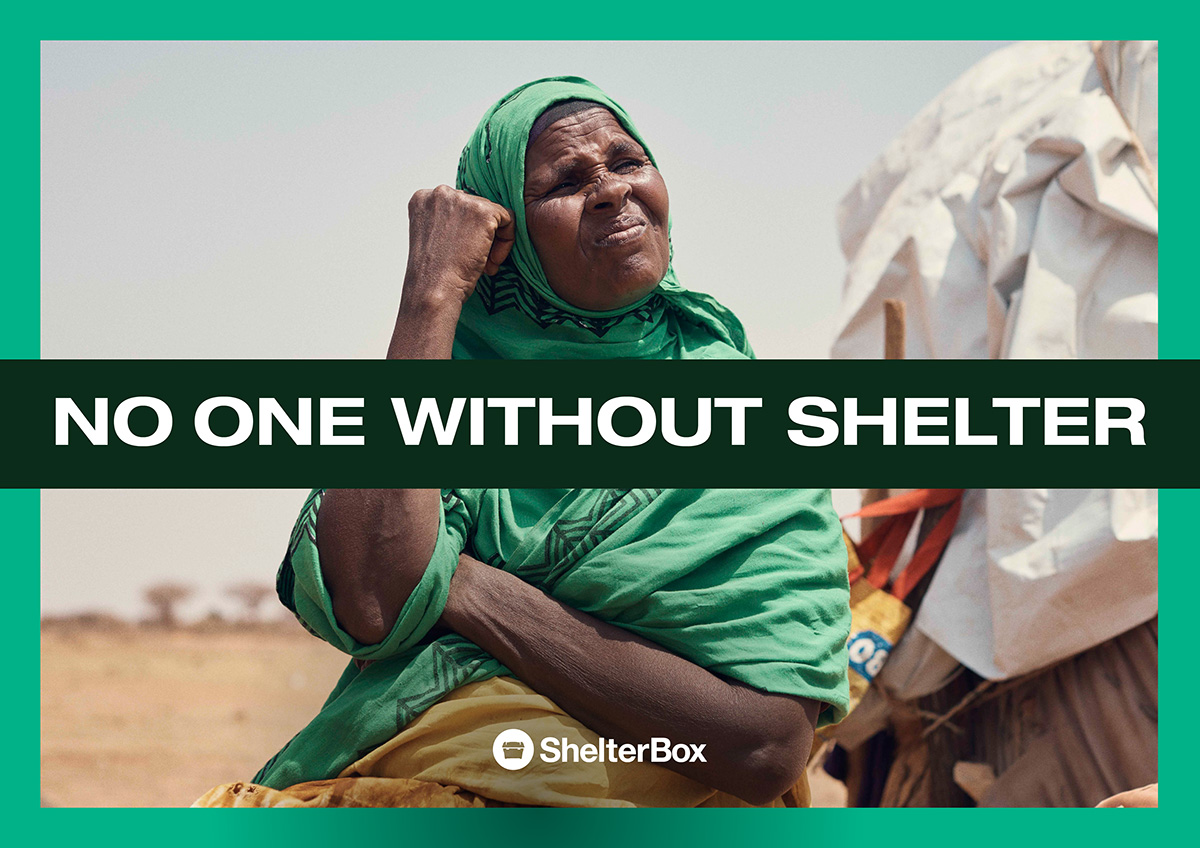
column 575, row 647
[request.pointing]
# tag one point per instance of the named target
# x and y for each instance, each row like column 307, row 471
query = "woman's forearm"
column 374, row 544
column 627, row 688
column 426, row 320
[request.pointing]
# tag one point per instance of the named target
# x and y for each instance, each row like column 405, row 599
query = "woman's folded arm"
column 627, row 688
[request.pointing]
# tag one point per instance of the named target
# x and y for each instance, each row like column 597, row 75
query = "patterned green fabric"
column 748, row 584
column 516, row 315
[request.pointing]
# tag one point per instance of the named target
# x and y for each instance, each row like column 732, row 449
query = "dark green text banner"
column 646, row 423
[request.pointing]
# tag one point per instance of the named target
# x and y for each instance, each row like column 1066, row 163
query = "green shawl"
column 751, row 585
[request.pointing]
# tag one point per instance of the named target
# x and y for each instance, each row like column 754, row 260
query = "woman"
column 714, row 618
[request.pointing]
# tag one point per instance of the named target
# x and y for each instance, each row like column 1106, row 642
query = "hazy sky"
column 248, row 200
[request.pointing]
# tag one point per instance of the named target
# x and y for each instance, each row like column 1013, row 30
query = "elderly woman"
column 713, row 618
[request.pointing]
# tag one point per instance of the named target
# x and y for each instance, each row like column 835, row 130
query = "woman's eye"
column 628, row 165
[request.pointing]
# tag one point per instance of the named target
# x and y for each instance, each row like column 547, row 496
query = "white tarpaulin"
column 1017, row 217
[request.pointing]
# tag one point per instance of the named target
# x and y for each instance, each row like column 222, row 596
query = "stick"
column 893, row 329
column 893, row 348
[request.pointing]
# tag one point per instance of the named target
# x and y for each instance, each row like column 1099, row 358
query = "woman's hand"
column 628, row 688
column 453, row 239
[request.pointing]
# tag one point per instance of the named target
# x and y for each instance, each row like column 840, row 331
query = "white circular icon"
column 513, row 749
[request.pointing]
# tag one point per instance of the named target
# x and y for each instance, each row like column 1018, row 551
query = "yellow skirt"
column 444, row 759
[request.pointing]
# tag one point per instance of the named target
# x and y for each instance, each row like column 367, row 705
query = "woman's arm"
column 629, row 689
column 374, row 544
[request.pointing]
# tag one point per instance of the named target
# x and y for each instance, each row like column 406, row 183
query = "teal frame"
column 19, row 509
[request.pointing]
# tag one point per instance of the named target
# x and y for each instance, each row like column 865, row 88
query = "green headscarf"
column 516, row 315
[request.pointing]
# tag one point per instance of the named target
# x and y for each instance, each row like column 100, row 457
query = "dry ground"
column 152, row 718
column 135, row 717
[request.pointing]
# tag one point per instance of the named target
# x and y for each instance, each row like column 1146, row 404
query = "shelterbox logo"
column 513, row 750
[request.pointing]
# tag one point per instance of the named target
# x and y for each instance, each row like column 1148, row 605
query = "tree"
column 251, row 596
column 164, row 597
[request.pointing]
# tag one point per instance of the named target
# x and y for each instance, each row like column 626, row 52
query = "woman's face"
column 596, row 211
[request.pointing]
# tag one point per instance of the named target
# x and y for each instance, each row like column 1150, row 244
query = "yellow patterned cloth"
column 444, row 759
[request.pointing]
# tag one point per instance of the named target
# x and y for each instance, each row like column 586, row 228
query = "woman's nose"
column 610, row 194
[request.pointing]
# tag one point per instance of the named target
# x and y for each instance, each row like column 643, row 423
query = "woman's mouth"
column 621, row 231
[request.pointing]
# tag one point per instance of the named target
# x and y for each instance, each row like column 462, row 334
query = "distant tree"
column 164, row 597
column 251, row 596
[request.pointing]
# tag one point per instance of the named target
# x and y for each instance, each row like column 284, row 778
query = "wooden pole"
column 893, row 329
column 893, row 348
column 860, row 768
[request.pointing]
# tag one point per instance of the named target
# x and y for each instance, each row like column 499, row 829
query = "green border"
column 19, row 329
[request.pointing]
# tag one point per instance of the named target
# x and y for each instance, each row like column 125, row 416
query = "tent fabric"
column 1017, row 217
column 1013, row 214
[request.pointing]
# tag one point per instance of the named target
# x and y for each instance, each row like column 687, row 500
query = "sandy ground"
column 134, row 717
column 145, row 718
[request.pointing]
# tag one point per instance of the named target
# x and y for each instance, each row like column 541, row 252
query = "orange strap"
column 908, row 502
column 882, row 548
